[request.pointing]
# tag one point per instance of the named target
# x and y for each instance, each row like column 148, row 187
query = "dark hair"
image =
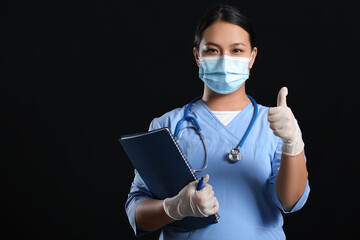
column 226, row 13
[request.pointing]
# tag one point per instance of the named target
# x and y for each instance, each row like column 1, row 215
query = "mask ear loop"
column 252, row 51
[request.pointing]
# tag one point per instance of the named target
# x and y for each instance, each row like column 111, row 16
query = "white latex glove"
column 284, row 125
column 190, row 202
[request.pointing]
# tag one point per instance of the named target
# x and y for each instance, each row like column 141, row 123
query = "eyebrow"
column 234, row 44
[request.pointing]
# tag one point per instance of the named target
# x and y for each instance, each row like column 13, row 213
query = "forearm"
column 291, row 180
column 150, row 215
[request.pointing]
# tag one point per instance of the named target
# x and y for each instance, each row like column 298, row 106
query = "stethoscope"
column 235, row 154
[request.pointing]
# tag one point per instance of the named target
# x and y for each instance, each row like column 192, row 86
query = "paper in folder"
column 164, row 169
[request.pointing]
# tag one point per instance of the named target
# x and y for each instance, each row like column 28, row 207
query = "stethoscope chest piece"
column 235, row 155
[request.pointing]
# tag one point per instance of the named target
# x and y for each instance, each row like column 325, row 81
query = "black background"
column 75, row 76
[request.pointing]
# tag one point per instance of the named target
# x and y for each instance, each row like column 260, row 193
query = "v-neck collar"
column 233, row 129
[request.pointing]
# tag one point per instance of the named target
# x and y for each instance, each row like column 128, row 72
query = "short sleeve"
column 275, row 165
column 154, row 124
column 138, row 192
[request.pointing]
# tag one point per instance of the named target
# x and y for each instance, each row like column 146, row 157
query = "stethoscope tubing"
column 251, row 123
column 198, row 128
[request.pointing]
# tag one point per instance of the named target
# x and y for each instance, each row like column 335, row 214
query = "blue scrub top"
column 246, row 190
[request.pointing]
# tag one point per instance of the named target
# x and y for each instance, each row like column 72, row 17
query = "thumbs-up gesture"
column 284, row 125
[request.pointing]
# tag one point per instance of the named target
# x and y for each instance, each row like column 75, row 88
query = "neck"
column 234, row 101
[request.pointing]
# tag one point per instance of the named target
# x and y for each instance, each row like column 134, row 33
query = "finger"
column 209, row 194
column 214, row 202
column 209, row 209
column 206, row 179
column 281, row 99
column 214, row 209
column 279, row 132
column 216, row 206
column 276, row 126
column 211, row 203
column 206, row 191
column 274, row 118
column 274, row 110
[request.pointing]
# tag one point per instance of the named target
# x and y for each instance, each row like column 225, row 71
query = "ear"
column 196, row 55
column 253, row 56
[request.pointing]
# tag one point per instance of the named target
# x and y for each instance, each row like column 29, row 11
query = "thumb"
column 206, row 178
column 281, row 99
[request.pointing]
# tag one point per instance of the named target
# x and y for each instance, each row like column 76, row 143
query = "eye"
column 211, row 50
column 237, row 51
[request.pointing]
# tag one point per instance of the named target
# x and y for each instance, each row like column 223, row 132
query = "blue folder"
column 164, row 169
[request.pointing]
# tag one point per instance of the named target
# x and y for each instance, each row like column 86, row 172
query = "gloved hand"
column 284, row 125
column 190, row 202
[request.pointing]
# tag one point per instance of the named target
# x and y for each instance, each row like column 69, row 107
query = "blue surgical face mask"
column 224, row 74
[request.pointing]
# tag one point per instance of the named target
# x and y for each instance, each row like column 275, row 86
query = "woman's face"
column 223, row 38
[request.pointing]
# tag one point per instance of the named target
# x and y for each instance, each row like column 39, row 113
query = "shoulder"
column 168, row 119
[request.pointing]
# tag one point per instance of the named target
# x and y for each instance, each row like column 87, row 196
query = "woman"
column 250, row 193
